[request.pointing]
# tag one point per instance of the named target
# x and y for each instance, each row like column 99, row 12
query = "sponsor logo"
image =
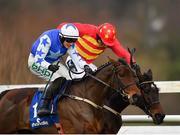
column 41, row 70
column 38, row 123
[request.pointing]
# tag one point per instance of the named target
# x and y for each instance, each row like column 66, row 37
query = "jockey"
column 45, row 54
column 92, row 42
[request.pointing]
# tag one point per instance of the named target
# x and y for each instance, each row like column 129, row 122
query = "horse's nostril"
column 159, row 118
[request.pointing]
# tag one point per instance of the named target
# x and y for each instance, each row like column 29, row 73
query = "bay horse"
column 151, row 105
column 82, row 109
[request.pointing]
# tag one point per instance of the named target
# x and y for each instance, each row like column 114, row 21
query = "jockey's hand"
column 87, row 69
column 53, row 68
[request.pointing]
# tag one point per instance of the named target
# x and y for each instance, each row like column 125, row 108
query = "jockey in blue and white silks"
column 48, row 50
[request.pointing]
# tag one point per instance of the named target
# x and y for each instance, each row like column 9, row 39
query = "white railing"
column 165, row 86
column 149, row 130
column 146, row 118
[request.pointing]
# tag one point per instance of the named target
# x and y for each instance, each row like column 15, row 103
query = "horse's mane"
column 121, row 60
column 103, row 66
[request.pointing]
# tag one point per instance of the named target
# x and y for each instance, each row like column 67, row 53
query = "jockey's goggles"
column 71, row 40
column 99, row 40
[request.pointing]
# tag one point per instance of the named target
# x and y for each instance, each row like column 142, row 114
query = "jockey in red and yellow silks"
column 93, row 40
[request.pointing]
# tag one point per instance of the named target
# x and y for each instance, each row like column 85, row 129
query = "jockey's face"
column 100, row 42
column 68, row 42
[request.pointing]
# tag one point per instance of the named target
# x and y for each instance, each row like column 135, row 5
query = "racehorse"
column 151, row 105
column 82, row 108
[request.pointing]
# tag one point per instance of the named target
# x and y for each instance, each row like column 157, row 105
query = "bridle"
column 147, row 105
column 121, row 87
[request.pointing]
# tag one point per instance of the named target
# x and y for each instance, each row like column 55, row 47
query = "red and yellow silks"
column 88, row 48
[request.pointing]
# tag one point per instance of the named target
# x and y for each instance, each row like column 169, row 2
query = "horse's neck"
column 95, row 90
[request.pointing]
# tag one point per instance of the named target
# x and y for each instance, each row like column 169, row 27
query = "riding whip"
column 45, row 89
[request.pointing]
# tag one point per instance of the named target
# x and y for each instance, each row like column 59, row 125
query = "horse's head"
column 126, row 81
column 150, row 93
column 150, row 103
column 139, row 90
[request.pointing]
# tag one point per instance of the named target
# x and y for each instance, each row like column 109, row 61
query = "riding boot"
column 44, row 109
column 52, row 90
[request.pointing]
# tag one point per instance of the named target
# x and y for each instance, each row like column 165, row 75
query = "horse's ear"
column 148, row 75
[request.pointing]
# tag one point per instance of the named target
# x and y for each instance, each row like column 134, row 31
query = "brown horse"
column 150, row 93
column 151, row 105
column 82, row 110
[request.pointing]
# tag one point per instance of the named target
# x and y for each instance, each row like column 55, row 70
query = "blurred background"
column 150, row 26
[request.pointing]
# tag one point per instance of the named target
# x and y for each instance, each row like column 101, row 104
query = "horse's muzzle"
column 158, row 118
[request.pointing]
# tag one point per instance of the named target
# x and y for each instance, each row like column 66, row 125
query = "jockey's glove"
column 87, row 69
column 53, row 68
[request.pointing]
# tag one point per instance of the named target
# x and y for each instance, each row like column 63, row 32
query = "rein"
column 97, row 79
column 146, row 82
column 119, row 90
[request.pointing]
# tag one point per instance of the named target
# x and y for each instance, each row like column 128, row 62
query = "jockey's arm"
column 121, row 52
column 42, row 51
column 76, row 57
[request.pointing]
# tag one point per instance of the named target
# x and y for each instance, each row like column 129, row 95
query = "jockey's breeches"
column 45, row 73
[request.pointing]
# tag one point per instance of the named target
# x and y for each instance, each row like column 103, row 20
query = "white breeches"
column 44, row 73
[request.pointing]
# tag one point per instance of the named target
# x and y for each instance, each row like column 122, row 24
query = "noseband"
column 146, row 105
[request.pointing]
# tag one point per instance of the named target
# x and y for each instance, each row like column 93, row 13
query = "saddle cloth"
column 38, row 122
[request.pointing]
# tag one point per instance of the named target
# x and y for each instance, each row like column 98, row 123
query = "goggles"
column 71, row 40
column 99, row 40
